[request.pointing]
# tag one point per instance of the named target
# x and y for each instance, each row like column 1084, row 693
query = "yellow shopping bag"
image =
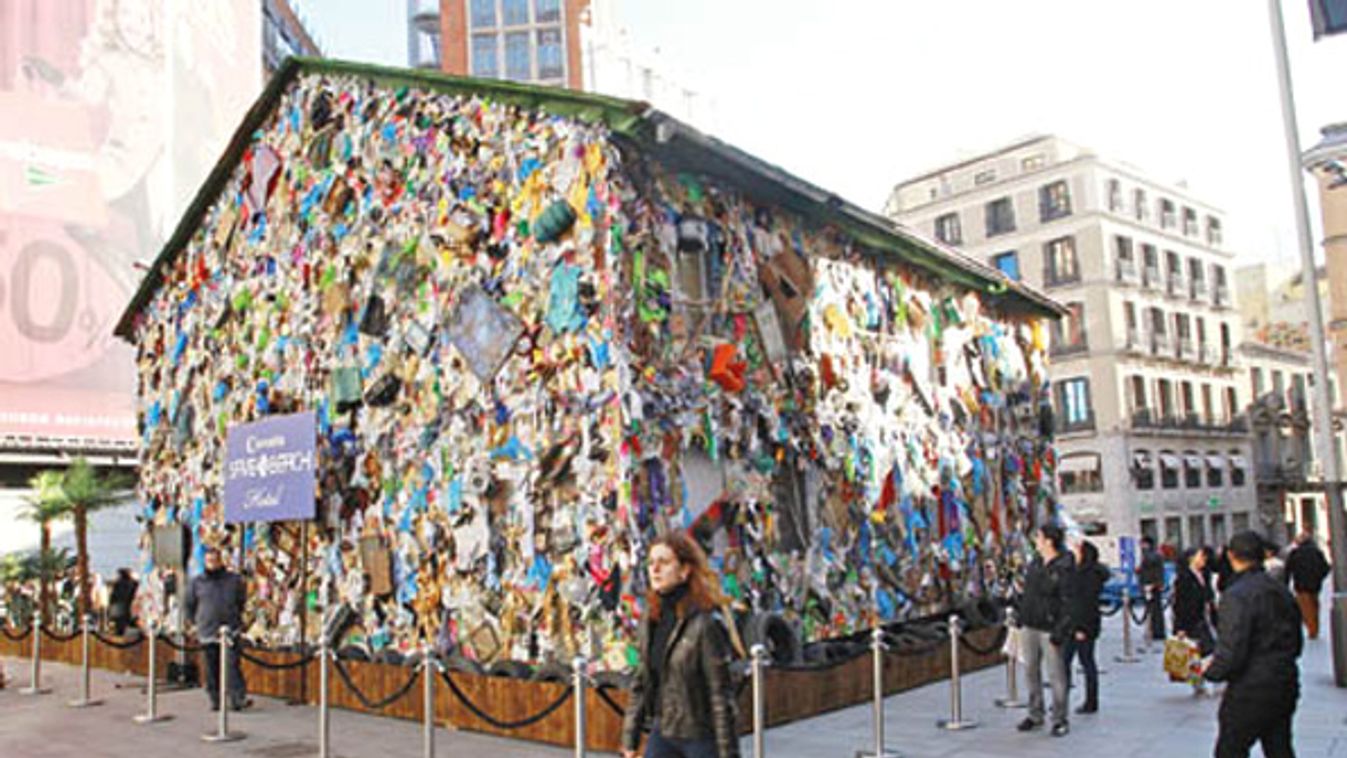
column 1180, row 655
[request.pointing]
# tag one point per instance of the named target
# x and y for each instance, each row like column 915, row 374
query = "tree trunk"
column 44, row 581
column 82, row 560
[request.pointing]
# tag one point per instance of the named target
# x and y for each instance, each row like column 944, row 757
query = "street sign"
column 1328, row 16
column 270, row 469
column 1127, row 555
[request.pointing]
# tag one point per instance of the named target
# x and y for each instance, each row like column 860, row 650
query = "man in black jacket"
column 1308, row 568
column 1256, row 651
column 214, row 599
column 1046, row 626
column 1151, row 576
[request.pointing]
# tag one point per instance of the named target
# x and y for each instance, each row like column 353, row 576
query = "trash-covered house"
column 537, row 327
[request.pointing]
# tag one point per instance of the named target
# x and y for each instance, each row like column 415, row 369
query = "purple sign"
column 270, row 469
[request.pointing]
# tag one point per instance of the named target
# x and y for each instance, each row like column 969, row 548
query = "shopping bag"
column 1180, row 654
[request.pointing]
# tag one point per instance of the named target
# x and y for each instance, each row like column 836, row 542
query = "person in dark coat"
column 1085, row 583
column 214, row 599
column 1045, row 621
column 1257, row 645
column 1308, row 568
column 682, row 689
column 1192, row 605
column 121, row 597
column 1151, row 575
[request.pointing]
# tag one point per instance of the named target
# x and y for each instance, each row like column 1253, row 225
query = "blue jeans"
column 659, row 746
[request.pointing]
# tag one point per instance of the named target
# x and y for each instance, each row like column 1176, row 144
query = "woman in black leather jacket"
column 1193, row 599
column 1084, row 584
column 682, row 689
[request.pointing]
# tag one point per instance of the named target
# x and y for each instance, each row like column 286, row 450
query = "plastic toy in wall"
column 531, row 346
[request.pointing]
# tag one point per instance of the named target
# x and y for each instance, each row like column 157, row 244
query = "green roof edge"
column 633, row 120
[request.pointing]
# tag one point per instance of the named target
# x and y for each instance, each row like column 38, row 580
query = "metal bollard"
column 877, row 647
column 35, row 685
column 151, row 714
column 1127, row 656
column 324, row 722
column 1012, row 698
column 430, row 667
column 578, row 663
column 956, row 721
column 223, row 734
column 84, row 700
column 758, row 656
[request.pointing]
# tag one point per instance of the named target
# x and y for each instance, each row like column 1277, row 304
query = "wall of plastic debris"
column 531, row 348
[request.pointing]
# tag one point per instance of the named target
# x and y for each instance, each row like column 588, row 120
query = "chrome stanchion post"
column 324, row 722
column 84, row 700
column 1012, row 698
column 429, row 668
column 223, row 734
column 877, row 647
column 578, row 664
column 151, row 714
column 1127, row 656
column 35, row 684
column 758, row 657
column 956, row 720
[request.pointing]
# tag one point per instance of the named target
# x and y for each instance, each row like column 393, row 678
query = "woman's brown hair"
column 703, row 587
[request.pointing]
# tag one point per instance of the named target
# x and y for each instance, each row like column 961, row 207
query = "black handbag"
column 374, row 319
column 384, row 390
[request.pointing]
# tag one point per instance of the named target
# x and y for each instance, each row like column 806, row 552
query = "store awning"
column 1074, row 463
column 1169, row 461
column 1237, row 461
column 1216, row 461
column 1193, row 461
column 1141, row 460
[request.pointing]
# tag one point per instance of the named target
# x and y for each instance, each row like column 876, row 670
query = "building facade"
column 1147, row 393
column 1327, row 161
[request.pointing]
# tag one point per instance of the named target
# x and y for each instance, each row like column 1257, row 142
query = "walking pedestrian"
column 1046, row 626
column 120, row 599
column 1087, row 580
column 214, row 599
column 1273, row 563
column 682, row 689
column 1256, row 650
column 1308, row 568
column 1192, row 606
column 1151, row 575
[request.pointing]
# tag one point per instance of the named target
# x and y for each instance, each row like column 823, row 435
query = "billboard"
column 270, row 469
column 1328, row 17
column 111, row 113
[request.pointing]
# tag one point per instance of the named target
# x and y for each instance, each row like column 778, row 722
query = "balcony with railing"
column 1198, row 290
column 1162, row 344
column 1208, row 355
column 1220, row 296
column 1150, row 278
column 1137, row 341
column 1150, row 420
column 1187, row 350
column 1127, row 271
column 1082, row 424
column 1176, row 284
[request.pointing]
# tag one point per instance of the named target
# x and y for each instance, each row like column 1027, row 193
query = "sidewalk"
column 1142, row 715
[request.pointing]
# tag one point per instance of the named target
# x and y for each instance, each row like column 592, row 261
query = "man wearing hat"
column 1256, row 652
column 215, row 598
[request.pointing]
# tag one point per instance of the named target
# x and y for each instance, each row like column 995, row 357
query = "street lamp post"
column 1323, row 401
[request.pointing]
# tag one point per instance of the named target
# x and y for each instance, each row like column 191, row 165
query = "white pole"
column 84, row 700
column 579, row 683
column 35, row 684
column 877, row 647
column 1012, row 698
column 151, row 714
column 1323, row 401
column 1127, row 656
column 223, row 734
column 956, row 721
column 758, row 654
column 429, row 668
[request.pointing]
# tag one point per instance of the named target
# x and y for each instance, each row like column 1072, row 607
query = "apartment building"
column 1287, row 464
column 1148, row 394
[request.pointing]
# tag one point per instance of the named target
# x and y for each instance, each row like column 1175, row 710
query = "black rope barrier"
column 1145, row 614
column 374, row 705
column 183, row 648
column 822, row 665
column 19, row 636
column 995, row 645
column 602, row 691
column 497, row 723
column 1113, row 611
column 906, row 652
column 301, row 662
column 58, row 637
column 116, row 644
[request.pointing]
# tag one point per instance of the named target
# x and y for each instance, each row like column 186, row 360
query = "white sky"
column 855, row 95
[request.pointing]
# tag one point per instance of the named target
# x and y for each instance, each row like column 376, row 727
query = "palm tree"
column 47, row 504
column 86, row 492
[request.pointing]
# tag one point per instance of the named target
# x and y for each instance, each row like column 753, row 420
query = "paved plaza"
column 1142, row 715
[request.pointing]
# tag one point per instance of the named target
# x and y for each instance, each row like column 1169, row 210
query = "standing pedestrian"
column 120, row 599
column 1308, row 568
column 1045, row 619
column 1256, row 650
column 1151, row 575
column 214, row 599
column 1273, row 563
column 682, row 688
column 1087, row 580
column 1192, row 606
